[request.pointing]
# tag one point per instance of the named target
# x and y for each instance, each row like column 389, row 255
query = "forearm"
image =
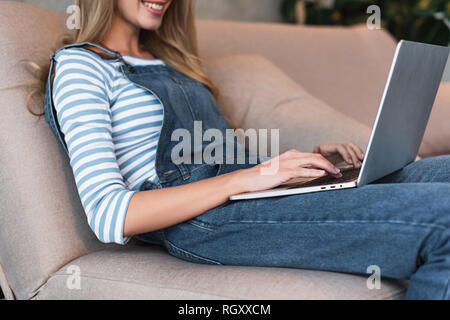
column 157, row 209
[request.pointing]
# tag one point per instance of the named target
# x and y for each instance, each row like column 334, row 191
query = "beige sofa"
column 45, row 241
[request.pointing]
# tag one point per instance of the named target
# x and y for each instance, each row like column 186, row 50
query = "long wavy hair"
column 175, row 41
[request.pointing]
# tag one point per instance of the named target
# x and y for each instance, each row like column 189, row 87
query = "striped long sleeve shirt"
column 111, row 128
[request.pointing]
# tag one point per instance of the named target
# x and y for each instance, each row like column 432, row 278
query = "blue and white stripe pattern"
column 111, row 128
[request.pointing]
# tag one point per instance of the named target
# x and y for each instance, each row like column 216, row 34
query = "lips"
column 154, row 7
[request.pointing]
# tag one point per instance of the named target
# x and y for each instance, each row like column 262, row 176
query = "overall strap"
column 84, row 44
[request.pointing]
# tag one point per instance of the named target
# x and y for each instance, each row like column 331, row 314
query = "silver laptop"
column 402, row 118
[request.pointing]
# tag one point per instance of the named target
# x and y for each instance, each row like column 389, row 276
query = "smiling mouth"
column 154, row 7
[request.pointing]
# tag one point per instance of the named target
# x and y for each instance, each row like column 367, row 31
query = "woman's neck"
column 124, row 38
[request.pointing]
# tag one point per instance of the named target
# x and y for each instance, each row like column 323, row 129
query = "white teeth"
column 154, row 6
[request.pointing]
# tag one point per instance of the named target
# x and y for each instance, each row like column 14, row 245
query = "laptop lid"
column 405, row 108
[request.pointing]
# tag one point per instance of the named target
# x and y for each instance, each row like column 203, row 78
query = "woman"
column 132, row 77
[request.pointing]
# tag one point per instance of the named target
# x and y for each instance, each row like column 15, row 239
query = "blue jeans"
column 400, row 223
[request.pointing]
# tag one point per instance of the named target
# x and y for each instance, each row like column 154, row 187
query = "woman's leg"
column 403, row 228
column 435, row 169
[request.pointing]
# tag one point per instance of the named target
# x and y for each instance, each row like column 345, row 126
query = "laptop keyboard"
column 348, row 175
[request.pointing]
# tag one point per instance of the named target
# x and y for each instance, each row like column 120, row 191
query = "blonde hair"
column 175, row 41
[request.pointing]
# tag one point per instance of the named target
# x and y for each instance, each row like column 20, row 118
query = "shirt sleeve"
column 80, row 94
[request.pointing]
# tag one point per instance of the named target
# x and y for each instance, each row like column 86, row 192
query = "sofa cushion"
column 147, row 272
column 254, row 93
column 346, row 67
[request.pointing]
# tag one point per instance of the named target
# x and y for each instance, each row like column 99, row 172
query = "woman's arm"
column 156, row 209
column 80, row 93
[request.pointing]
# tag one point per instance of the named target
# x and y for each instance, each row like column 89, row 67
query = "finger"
column 311, row 173
column 316, row 149
column 315, row 173
column 328, row 148
column 355, row 160
column 344, row 154
column 318, row 161
column 358, row 150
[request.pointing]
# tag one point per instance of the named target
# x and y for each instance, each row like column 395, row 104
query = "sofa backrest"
column 345, row 67
column 42, row 223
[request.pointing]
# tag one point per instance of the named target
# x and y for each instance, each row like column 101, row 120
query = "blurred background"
column 241, row 10
column 418, row 20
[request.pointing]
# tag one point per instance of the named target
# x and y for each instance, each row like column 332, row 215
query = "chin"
column 150, row 26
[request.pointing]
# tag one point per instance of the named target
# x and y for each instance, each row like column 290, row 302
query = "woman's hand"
column 337, row 153
column 289, row 165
